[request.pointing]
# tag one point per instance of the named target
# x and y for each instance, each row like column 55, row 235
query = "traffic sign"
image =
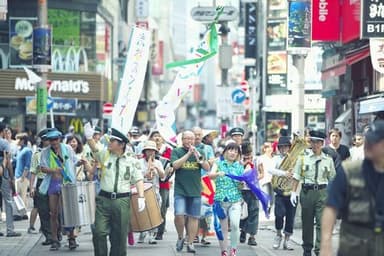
column 208, row 13
column 238, row 96
column 107, row 108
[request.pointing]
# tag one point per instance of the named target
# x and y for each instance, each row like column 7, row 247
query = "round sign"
column 238, row 96
column 107, row 108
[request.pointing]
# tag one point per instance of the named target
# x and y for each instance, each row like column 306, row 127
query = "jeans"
column 7, row 196
column 250, row 224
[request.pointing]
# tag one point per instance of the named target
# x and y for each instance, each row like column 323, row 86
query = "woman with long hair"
column 265, row 162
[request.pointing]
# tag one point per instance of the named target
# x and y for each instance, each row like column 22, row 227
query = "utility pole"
column 298, row 93
column 41, row 89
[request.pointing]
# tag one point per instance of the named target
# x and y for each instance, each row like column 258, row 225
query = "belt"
column 314, row 186
column 113, row 195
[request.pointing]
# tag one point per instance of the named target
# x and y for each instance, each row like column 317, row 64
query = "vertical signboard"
column 21, row 41
column 299, row 25
column 250, row 30
column 372, row 19
column 277, row 8
column 277, row 35
column 42, row 41
column 350, row 14
column 325, row 20
column 277, row 73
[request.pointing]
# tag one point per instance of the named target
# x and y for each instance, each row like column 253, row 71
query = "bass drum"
column 150, row 217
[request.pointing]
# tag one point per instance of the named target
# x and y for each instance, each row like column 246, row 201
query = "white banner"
column 132, row 82
column 377, row 54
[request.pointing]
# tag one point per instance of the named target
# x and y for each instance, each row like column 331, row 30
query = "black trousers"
column 284, row 210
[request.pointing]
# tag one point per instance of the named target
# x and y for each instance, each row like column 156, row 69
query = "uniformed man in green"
column 315, row 170
column 119, row 171
column 40, row 201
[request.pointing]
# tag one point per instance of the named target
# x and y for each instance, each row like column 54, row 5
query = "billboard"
column 372, row 19
column 325, row 20
column 21, row 41
column 277, row 35
column 299, row 25
column 250, row 30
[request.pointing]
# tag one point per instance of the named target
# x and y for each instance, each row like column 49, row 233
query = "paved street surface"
column 29, row 244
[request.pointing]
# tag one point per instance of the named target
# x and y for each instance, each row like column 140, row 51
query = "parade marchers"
column 123, row 171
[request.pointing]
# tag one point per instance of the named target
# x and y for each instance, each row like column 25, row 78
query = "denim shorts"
column 187, row 205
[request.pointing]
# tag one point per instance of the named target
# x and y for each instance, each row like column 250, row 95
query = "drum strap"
column 117, row 175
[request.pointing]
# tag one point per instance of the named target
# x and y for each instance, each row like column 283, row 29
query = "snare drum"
column 150, row 217
column 79, row 204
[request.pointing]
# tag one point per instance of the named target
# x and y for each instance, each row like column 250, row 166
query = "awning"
column 335, row 70
column 372, row 105
column 343, row 117
column 356, row 57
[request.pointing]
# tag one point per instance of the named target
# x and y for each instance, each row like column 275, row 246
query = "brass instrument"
column 282, row 183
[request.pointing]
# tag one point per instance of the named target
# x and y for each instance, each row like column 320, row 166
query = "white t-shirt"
column 268, row 163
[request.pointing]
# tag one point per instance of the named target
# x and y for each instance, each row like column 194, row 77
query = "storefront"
column 76, row 99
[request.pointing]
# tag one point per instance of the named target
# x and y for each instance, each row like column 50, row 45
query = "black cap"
column 375, row 132
column 115, row 134
column 236, row 131
column 317, row 135
column 284, row 141
column 97, row 130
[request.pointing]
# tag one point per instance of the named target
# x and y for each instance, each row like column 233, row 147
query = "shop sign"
column 63, row 86
column 42, row 51
column 372, row 19
column 61, row 106
column 142, row 8
column 277, row 35
column 325, row 20
column 299, row 25
column 250, row 30
column 350, row 15
column 277, row 8
column 208, row 13
column 21, row 41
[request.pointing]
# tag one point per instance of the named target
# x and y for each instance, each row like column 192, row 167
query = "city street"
column 29, row 244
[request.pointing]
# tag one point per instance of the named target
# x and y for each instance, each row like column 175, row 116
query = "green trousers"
column 111, row 219
column 312, row 205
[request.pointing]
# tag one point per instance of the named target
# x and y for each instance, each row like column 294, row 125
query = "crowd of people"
column 118, row 162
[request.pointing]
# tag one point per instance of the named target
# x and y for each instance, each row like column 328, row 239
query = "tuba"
column 281, row 183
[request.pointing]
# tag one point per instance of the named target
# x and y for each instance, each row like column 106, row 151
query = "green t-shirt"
column 188, row 177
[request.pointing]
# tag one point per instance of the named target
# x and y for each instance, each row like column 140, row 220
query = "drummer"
column 153, row 171
column 119, row 171
column 58, row 162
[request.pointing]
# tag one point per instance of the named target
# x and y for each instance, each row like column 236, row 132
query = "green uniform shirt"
column 129, row 171
column 188, row 177
column 35, row 165
column 305, row 169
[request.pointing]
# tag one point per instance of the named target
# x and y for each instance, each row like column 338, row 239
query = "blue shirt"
column 228, row 189
column 23, row 161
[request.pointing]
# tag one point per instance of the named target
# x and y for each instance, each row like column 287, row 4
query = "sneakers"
column 243, row 237
column 47, row 242
column 204, row 242
column 224, row 253
column 152, row 241
column 32, row 230
column 180, row 244
column 191, row 248
column 287, row 244
column 13, row 234
column 233, row 252
column 159, row 236
column 142, row 237
column 196, row 240
column 72, row 243
column 277, row 242
column 55, row 246
column 252, row 241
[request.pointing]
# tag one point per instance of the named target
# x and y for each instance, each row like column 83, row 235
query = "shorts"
column 54, row 187
column 187, row 205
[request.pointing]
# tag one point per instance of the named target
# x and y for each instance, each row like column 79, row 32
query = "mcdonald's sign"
column 77, row 124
